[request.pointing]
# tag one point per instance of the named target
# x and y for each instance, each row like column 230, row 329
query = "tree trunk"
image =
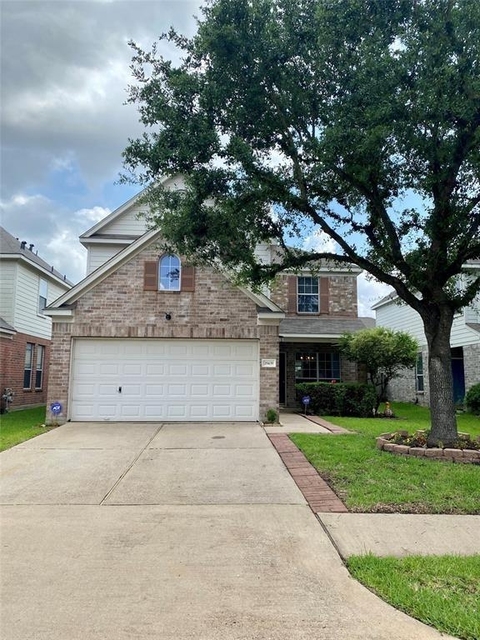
column 438, row 321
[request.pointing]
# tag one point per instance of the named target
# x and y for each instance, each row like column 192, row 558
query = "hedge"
column 472, row 399
column 338, row 399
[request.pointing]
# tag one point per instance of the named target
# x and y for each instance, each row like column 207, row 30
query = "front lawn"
column 18, row 426
column 442, row 591
column 369, row 480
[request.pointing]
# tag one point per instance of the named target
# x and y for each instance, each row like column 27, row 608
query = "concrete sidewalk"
column 290, row 422
column 172, row 532
column 398, row 534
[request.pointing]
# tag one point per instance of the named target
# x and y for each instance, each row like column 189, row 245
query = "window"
column 307, row 295
column 312, row 367
column 42, row 295
column 27, row 370
column 419, row 388
column 39, row 367
column 169, row 273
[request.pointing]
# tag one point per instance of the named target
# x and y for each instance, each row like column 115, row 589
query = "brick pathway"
column 315, row 490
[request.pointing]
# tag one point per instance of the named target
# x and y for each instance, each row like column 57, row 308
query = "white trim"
column 309, row 337
column 39, row 267
column 261, row 300
column 54, row 313
column 127, row 239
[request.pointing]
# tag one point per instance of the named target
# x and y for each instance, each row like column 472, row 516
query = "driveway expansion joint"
column 122, row 476
column 320, row 497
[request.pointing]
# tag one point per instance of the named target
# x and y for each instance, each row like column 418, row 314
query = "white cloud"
column 370, row 291
column 319, row 241
column 53, row 229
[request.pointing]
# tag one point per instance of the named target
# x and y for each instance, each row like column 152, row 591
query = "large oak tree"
column 359, row 118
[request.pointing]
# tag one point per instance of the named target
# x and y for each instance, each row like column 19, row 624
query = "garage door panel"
column 155, row 369
column 164, row 380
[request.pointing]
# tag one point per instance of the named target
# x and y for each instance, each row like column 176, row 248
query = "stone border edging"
column 462, row 456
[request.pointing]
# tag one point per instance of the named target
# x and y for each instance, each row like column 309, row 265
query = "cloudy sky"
column 64, row 124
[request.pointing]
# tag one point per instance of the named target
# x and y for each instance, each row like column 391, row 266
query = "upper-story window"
column 169, row 273
column 307, row 295
column 42, row 295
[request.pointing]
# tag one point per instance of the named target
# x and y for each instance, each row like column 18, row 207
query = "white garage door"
column 151, row 380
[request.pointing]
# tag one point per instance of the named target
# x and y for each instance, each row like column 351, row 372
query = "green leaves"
column 328, row 114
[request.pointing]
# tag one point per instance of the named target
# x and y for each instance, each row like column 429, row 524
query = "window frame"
column 161, row 261
column 39, row 366
column 28, row 365
column 305, row 295
column 42, row 299
column 321, row 362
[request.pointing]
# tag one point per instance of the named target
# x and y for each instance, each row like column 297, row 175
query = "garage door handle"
column 119, row 389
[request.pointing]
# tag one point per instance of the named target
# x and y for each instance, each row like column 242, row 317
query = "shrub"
column 271, row 416
column 472, row 399
column 340, row 399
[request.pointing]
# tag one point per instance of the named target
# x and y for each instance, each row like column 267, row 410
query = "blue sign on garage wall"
column 56, row 408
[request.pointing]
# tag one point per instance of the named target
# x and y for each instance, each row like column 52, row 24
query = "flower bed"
column 401, row 443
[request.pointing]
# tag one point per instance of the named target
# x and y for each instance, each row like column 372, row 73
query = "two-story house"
column 147, row 336
column 27, row 285
column 414, row 386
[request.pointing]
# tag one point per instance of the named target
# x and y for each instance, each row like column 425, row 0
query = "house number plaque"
column 269, row 363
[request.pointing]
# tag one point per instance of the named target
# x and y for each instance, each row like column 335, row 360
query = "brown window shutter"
column 150, row 276
column 325, row 296
column 188, row 278
column 292, row 294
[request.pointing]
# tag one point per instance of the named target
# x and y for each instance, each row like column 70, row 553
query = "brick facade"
column 12, row 358
column 342, row 295
column 118, row 307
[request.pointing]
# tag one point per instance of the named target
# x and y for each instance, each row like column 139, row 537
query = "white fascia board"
column 329, row 337
column 56, row 314
column 348, row 270
column 272, row 319
column 108, row 240
column 106, row 269
column 46, row 272
column 381, row 303
column 7, row 332
column 261, row 300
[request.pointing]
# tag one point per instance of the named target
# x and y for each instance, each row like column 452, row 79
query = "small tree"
column 384, row 353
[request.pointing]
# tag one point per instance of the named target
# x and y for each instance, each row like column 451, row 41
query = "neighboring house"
column 146, row 336
column 464, row 343
column 27, row 285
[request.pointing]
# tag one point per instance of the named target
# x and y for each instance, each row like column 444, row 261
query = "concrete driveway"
column 171, row 531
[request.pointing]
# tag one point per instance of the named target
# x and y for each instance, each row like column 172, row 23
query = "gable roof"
column 11, row 247
column 120, row 211
column 124, row 256
column 104, row 222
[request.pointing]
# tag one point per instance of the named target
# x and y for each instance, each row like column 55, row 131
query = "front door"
column 458, row 374
column 282, row 379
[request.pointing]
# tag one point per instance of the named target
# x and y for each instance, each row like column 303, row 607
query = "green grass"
column 407, row 416
column 18, row 426
column 442, row 591
column 369, row 480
